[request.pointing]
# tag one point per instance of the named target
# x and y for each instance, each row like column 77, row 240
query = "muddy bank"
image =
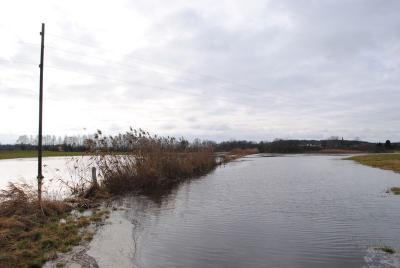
column 113, row 245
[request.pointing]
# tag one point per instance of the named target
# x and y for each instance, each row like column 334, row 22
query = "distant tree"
column 388, row 144
column 23, row 140
column 196, row 142
column 333, row 138
column 324, row 143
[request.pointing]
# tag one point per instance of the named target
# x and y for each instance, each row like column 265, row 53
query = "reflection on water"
column 285, row 211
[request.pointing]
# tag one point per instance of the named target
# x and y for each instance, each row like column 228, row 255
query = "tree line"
column 77, row 143
column 80, row 143
column 305, row 146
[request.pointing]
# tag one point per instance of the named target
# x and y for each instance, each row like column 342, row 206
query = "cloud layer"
column 215, row 70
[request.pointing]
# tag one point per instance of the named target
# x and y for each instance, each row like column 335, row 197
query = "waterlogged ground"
column 284, row 211
column 287, row 211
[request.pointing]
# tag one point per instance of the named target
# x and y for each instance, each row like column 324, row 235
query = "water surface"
column 286, row 211
column 55, row 170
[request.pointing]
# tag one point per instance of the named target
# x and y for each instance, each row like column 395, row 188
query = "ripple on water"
column 297, row 211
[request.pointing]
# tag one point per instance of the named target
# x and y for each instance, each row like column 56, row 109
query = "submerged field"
column 383, row 161
column 28, row 154
column 257, row 212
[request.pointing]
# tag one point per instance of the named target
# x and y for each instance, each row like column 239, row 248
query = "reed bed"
column 138, row 161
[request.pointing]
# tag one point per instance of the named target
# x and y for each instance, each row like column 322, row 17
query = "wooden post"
column 94, row 177
column 40, row 174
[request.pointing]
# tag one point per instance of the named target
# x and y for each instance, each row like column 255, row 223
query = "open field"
column 28, row 154
column 383, row 161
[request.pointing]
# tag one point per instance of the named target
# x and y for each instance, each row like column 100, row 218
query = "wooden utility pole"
column 40, row 150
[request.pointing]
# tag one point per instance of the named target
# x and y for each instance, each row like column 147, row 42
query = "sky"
column 219, row 70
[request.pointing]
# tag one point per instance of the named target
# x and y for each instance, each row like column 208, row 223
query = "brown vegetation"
column 23, row 240
column 28, row 237
column 395, row 190
column 148, row 162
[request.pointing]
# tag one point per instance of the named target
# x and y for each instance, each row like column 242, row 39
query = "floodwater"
column 284, row 211
column 56, row 170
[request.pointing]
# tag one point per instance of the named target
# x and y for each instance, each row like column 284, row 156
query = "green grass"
column 387, row 249
column 383, row 161
column 395, row 190
column 31, row 241
column 28, row 154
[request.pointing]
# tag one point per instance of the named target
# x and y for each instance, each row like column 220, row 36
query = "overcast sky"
column 216, row 70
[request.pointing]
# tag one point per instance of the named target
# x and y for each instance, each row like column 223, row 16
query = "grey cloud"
column 299, row 69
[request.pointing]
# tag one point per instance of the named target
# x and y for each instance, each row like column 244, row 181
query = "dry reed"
column 138, row 161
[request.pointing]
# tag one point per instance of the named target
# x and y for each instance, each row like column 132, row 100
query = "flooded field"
column 282, row 211
column 54, row 169
column 286, row 211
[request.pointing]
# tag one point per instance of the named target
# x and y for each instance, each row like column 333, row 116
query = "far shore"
column 11, row 154
column 14, row 154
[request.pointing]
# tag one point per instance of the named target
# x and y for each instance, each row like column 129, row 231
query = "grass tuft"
column 387, row 249
column 395, row 190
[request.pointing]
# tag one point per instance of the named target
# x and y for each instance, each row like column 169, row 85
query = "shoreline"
column 385, row 161
column 113, row 244
column 20, row 154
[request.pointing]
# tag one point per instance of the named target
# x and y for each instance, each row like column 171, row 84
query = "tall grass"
column 139, row 161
